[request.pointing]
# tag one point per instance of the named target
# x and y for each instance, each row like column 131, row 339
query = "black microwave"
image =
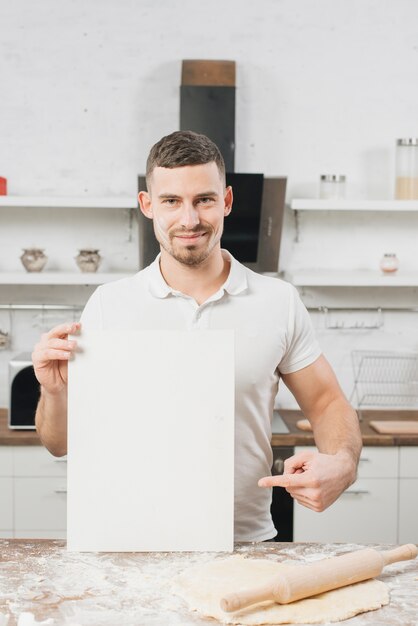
column 24, row 392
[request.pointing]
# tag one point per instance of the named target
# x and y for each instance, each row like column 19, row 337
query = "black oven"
column 282, row 501
column 23, row 392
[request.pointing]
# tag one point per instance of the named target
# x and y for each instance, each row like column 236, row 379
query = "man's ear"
column 145, row 204
column 229, row 196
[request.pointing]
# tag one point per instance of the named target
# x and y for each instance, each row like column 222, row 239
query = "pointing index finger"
column 284, row 480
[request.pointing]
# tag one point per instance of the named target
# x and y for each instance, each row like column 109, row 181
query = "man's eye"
column 205, row 200
column 170, row 201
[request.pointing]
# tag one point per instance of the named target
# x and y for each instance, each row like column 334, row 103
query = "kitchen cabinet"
column 32, row 493
column 408, row 462
column 369, row 511
column 6, row 492
column 36, row 461
column 6, row 461
column 40, row 504
column 6, row 508
column 380, row 506
column 408, row 495
column 366, row 512
column 40, row 488
column 408, row 510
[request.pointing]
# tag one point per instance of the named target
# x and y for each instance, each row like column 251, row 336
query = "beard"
column 191, row 255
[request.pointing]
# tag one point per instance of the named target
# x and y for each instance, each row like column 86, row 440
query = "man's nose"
column 189, row 216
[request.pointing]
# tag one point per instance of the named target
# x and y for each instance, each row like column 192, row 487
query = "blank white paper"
column 151, row 441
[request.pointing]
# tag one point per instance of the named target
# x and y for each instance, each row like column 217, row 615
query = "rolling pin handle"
column 276, row 591
column 230, row 603
column 240, row 600
column 402, row 553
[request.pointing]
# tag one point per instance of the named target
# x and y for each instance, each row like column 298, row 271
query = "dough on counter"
column 203, row 586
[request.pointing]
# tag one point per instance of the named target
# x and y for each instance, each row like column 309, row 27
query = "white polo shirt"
column 273, row 335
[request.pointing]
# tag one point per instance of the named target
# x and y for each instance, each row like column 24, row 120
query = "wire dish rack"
column 385, row 379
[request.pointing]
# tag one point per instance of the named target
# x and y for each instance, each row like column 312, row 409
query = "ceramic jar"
column 389, row 263
column 88, row 260
column 4, row 339
column 407, row 169
column 33, row 259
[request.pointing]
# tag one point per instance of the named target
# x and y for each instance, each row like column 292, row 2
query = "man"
column 194, row 284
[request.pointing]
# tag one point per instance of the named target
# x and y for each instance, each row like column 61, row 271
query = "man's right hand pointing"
column 314, row 479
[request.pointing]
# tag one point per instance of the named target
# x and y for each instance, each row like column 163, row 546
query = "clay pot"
column 33, row 259
column 4, row 339
column 389, row 263
column 88, row 260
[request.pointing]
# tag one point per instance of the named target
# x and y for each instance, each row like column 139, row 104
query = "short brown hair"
column 184, row 147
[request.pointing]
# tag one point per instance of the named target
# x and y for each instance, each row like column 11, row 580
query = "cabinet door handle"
column 363, row 459
column 62, row 490
column 65, row 460
column 356, row 492
column 279, row 465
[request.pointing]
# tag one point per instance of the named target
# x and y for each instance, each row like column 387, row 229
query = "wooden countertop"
column 295, row 437
column 133, row 589
column 10, row 437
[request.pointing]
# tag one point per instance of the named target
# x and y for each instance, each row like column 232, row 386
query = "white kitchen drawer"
column 408, row 510
column 40, row 534
column 6, row 503
column 40, row 504
column 37, row 461
column 378, row 462
column 365, row 513
column 408, row 462
column 375, row 462
column 6, row 461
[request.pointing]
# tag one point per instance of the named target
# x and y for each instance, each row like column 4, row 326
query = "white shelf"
column 353, row 278
column 299, row 204
column 117, row 202
column 60, row 278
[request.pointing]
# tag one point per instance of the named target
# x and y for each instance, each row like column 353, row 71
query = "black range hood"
column 207, row 104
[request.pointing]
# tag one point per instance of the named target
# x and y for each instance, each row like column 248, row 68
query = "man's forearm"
column 337, row 431
column 51, row 421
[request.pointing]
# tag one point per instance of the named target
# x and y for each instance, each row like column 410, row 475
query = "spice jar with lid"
column 332, row 186
column 407, row 169
column 389, row 263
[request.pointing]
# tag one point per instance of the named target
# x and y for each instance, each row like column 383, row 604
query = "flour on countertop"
column 89, row 589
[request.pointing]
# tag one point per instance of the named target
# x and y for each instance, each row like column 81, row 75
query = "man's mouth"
column 190, row 237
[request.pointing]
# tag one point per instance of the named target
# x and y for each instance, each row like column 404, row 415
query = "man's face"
column 188, row 205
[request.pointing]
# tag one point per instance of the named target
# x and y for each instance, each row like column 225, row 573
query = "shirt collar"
column 234, row 284
column 237, row 277
column 156, row 283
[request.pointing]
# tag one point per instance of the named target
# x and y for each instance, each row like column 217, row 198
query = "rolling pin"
column 303, row 581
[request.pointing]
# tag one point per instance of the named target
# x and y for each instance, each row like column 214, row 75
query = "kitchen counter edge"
column 295, row 436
